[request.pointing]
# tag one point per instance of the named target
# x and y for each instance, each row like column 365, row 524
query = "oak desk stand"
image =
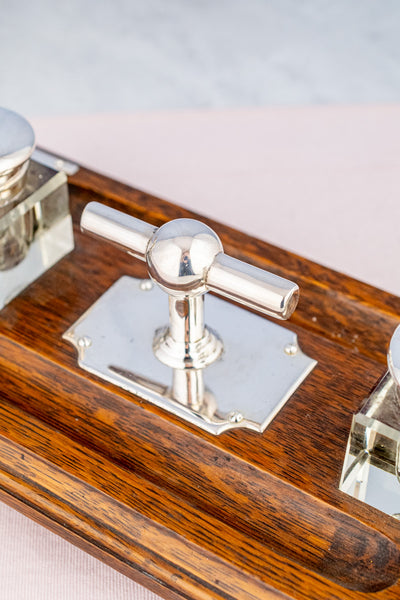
column 242, row 515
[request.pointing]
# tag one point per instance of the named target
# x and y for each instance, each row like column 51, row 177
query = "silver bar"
column 252, row 287
column 127, row 233
column 54, row 162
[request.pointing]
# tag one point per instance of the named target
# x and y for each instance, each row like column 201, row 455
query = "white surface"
column 38, row 565
column 76, row 57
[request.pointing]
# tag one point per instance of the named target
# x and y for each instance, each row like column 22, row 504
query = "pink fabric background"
column 323, row 182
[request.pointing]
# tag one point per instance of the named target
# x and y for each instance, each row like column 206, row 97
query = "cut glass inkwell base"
column 371, row 470
column 41, row 223
column 371, row 467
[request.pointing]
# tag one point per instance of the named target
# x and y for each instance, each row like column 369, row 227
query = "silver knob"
column 186, row 259
column 17, row 141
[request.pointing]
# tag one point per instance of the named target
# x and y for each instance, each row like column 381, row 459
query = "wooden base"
column 242, row 515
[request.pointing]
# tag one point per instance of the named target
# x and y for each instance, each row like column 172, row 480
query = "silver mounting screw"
column 146, row 285
column 235, row 417
column 84, row 342
column 291, row 349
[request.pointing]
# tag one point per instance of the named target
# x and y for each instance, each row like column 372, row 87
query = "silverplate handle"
column 186, row 259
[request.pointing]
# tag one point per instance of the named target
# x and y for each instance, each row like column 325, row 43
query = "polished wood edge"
column 35, row 463
column 339, row 547
column 89, row 512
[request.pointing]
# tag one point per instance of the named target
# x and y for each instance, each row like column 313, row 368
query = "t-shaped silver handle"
column 186, row 259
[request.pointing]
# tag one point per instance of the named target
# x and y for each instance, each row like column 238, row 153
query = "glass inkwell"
column 371, row 470
column 35, row 222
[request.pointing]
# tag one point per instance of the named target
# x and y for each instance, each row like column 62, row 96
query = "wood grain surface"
column 191, row 515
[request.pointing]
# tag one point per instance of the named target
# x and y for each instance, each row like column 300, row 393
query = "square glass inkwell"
column 371, row 470
column 35, row 221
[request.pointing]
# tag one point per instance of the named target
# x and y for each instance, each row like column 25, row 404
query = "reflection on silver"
column 127, row 233
column 186, row 259
column 252, row 287
column 371, row 470
column 195, row 362
column 245, row 387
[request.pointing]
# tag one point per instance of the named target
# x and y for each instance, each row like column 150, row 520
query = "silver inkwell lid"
column 17, row 141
